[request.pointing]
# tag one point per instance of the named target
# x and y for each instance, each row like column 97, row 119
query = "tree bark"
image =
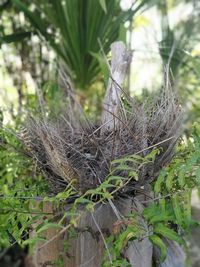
column 88, row 247
column 121, row 59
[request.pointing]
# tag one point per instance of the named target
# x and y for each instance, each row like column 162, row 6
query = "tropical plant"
column 77, row 31
column 177, row 42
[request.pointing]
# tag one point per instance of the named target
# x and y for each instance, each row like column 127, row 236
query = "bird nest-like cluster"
column 72, row 147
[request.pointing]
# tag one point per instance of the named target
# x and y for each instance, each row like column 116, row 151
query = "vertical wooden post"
column 121, row 59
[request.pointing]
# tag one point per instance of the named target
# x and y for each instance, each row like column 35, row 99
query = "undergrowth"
column 167, row 212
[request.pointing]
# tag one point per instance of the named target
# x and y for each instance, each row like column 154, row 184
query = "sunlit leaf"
column 103, row 5
column 168, row 233
column 157, row 241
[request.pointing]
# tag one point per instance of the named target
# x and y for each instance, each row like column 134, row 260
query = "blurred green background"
column 47, row 44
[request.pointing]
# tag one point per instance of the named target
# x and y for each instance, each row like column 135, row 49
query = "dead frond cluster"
column 75, row 148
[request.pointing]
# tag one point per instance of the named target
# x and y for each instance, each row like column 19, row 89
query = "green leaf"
column 152, row 155
column 103, row 65
column 123, row 167
column 187, row 209
column 33, row 240
column 157, row 241
column 115, row 178
column 133, row 174
column 122, row 33
column 65, row 194
column 37, row 22
column 125, row 236
column 181, row 177
column 131, row 158
column 160, row 212
column 162, row 204
column 168, row 233
column 159, row 182
column 169, row 180
column 82, row 200
column 162, row 217
column 177, row 209
column 149, row 211
column 197, row 176
column 103, row 5
column 48, row 226
column 90, row 207
column 15, row 37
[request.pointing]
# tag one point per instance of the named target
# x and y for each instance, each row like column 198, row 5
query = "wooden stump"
column 88, row 247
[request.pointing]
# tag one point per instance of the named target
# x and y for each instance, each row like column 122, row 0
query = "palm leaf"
column 16, row 37
column 76, row 26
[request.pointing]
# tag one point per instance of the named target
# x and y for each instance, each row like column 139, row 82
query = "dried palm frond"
column 73, row 148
